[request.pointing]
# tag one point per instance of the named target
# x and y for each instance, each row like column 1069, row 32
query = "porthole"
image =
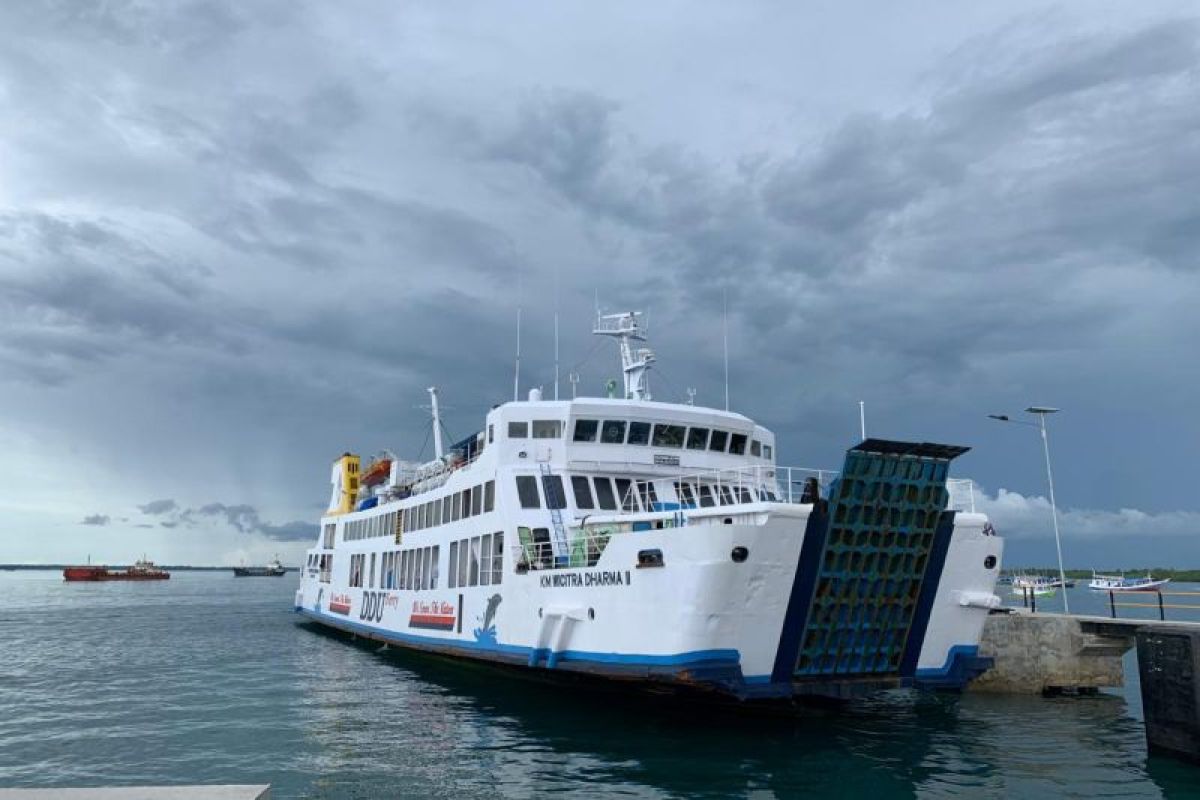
column 989, row 562
column 739, row 554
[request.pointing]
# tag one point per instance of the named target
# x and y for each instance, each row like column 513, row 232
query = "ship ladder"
column 555, row 501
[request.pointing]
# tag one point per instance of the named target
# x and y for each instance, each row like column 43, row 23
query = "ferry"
column 659, row 546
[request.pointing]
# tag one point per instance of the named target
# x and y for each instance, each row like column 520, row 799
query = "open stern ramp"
column 869, row 570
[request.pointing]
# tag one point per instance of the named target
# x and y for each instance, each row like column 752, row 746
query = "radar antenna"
column 628, row 328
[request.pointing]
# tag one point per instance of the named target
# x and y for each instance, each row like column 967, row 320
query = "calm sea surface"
column 209, row 679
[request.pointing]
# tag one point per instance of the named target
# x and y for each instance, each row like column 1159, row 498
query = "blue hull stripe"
column 511, row 653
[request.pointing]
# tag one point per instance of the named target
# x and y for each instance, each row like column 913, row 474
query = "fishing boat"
column 1035, row 585
column 273, row 569
column 142, row 570
column 659, row 546
column 1122, row 583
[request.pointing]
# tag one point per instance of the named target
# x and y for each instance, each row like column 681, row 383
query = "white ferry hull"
column 700, row 623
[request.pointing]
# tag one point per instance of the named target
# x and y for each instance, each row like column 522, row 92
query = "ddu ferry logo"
column 339, row 604
column 374, row 603
column 486, row 632
column 432, row 616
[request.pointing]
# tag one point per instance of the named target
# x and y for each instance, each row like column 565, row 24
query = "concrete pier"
column 1050, row 653
column 221, row 792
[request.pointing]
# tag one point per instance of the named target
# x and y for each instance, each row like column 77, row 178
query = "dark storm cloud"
column 158, row 506
column 96, row 519
column 255, row 233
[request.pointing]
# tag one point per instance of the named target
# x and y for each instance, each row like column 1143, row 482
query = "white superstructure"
column 627, row 538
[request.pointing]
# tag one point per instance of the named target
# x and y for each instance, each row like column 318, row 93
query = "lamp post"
column 1040, row 412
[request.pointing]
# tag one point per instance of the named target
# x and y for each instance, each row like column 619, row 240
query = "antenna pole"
column 437, row 423
column 556, row 352
column 517, row 372
column 725, row 339
column 862, row 418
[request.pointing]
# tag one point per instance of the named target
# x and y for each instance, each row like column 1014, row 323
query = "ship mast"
column 627, row 328
column 437, row 423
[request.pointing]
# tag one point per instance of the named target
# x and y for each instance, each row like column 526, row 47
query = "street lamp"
column 1040, row 412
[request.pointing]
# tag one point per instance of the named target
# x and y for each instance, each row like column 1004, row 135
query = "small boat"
column 1036, row 585
column 142, row 570
column 273, row 569
column 1120, row 583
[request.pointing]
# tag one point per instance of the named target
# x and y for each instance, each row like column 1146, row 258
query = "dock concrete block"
column 1169, row 667
column 215, row 792
column 1048, row 653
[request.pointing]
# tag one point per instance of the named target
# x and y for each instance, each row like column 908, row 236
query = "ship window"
column 648, row 495
column 489, row 496
column 718, row 441
column 411, row 572
column 744, row 495
column 327, row 543
column 585, row 430
column 547, row 429
column 456, row 507
column 756, row 448
column 518, row 430
column 613, row 431
column 624, row 491
column 726, row 496
column 463, row 559
column 437, row 512
column 419, row 574
column 421, row 517
column 527, row 491
column 668, row 435
column 434, row 553
column 639, row 433
column 767, row 451
column 466, row 502
column 497, row 557
column 604, row 495
column 706, row 498
column 473, row 575
column 447, row 501
column 477, row 501
column 485, row 559
column 491, row 433
column 697, row 438
column 684, row 492
column 583, row 492
column 452, row 573
column 552, row 487
column 737, row 444
column 429, row 514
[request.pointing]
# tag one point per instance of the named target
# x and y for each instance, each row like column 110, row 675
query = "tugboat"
column 142, row 570
column 273, row 569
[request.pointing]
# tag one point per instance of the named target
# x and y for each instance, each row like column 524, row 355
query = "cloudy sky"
column 239, row 238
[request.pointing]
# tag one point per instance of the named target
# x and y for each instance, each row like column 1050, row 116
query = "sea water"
column 207, row 678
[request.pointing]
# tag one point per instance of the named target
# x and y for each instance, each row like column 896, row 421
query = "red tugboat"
column 143, row 570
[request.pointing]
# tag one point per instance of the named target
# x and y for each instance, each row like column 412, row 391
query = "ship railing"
column 757, row 483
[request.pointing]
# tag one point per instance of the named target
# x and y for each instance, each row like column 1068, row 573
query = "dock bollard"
column 1169, row 667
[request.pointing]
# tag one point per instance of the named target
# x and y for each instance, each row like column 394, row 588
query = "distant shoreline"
column 1183, row 575
column 168, row 567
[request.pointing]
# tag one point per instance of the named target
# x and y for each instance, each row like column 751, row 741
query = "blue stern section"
column 963, row 665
